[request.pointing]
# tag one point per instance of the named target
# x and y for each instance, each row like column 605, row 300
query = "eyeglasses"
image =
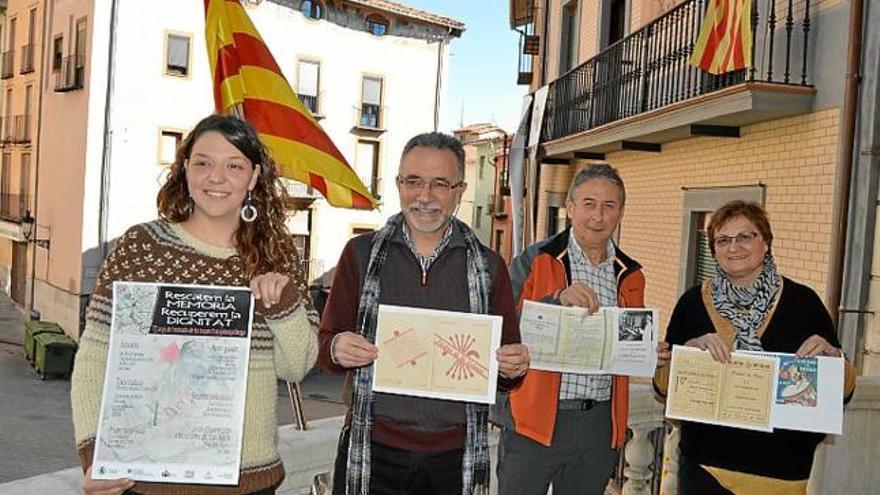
column 439, row 186
column 725, row 241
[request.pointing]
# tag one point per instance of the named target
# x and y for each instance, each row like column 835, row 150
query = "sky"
column 482, row 75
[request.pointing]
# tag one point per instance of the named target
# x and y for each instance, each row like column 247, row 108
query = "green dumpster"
column 53, row 354
column 33, row 328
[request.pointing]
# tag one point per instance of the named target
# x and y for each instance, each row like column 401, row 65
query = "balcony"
column 310, row 102
column 369, row 119
column 6, row 62
column 27, row 59
column 16, row 129
column 522, row 19
column 642, row 91
column 71, row 75
column 13, row 206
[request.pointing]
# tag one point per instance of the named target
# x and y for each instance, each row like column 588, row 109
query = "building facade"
column 483, row 145
column 779, row 132
column 133, row 80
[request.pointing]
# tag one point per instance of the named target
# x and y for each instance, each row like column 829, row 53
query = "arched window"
column 312, row 9
column 377, row 25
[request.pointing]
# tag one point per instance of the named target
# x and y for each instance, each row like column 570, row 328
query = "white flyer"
column 621, row 341
column 172, row 409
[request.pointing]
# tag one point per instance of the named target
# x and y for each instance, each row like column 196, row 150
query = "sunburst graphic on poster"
column 439, row 354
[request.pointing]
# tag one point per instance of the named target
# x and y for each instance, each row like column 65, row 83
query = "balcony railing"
column 311, row 102
column 27, row 58
column 649, row 69
column 6, row 61
column 16, row 129
column 71, row 75
column 370, row 116
column 13, row 206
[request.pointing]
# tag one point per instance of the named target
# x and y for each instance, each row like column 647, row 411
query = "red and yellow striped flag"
column 725, row 41
column 248, row 80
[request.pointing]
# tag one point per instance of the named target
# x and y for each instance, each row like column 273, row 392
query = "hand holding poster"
column 568, row 339
column 173, row 402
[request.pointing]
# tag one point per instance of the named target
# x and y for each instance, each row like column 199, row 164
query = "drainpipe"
column 49, row 7
column 104, row 208
column 439, row 80
column 845, row 152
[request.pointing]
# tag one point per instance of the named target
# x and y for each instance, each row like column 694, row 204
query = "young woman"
column 221, row 222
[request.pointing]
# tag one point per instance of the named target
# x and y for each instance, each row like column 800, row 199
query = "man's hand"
column 579, row 294
column 711, row 342
column 352, row 350
column 105, row 487
column 817, row 346
column 664, row 353
column 513, row 360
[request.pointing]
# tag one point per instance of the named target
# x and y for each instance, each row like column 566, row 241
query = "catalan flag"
column 247, row 80
column 725, row 40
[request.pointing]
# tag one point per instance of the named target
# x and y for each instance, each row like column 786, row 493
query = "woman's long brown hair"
column 264, row 245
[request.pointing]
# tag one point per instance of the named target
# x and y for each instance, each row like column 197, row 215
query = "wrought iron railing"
column 650, row 69
column 27, row 58
column 71, row 75
column 6, row 62
column 311, row 102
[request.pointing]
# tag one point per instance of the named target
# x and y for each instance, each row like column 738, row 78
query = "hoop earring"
column 248, row 211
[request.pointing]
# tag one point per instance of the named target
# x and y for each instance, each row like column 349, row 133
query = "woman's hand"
column 352, row 350
column 105, row 487
column 513, row 360
column 711, row 342
column 817, row 346
column 664, row 353
column 268, row 288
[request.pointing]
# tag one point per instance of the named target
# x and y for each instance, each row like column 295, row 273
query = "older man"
column 562, row 428
column 425, row 258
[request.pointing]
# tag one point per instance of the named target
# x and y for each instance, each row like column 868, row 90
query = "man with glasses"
column 563, row 428
column 423, row 257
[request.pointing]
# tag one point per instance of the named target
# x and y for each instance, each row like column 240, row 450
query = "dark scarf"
column 746, row 307
column 475, row 464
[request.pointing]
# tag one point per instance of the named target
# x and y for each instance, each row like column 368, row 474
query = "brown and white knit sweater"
column 284, row 344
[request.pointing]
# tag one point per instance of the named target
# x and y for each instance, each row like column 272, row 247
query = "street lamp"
column 27, row 230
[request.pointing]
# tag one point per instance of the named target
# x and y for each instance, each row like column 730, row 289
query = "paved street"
column 36, row 432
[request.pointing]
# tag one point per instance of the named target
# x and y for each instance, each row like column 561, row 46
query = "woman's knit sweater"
column 283, row 344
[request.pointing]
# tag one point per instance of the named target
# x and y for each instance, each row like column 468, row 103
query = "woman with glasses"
column 748, row 305
column 221, row 222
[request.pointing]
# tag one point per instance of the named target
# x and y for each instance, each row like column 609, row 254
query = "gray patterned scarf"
column 746, row 307
column 475, row 463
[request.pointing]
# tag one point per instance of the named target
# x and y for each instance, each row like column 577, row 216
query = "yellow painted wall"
column 793, row 157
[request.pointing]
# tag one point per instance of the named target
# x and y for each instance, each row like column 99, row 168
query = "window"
column 5, row 183
column 168, row 143
column 7, row 117
column 367, row 164
column 478, row 217
column 312, row 9
column 482, row 166
column 371, row 104
column 308, row 78
column 569, row 42
column 57, row 53
column 10, row 41
column 80, row 53
column 377, row 25
column 177, row 55
column 557, row 217
column 24, row 184
column 25, row 126
column 704, row 263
